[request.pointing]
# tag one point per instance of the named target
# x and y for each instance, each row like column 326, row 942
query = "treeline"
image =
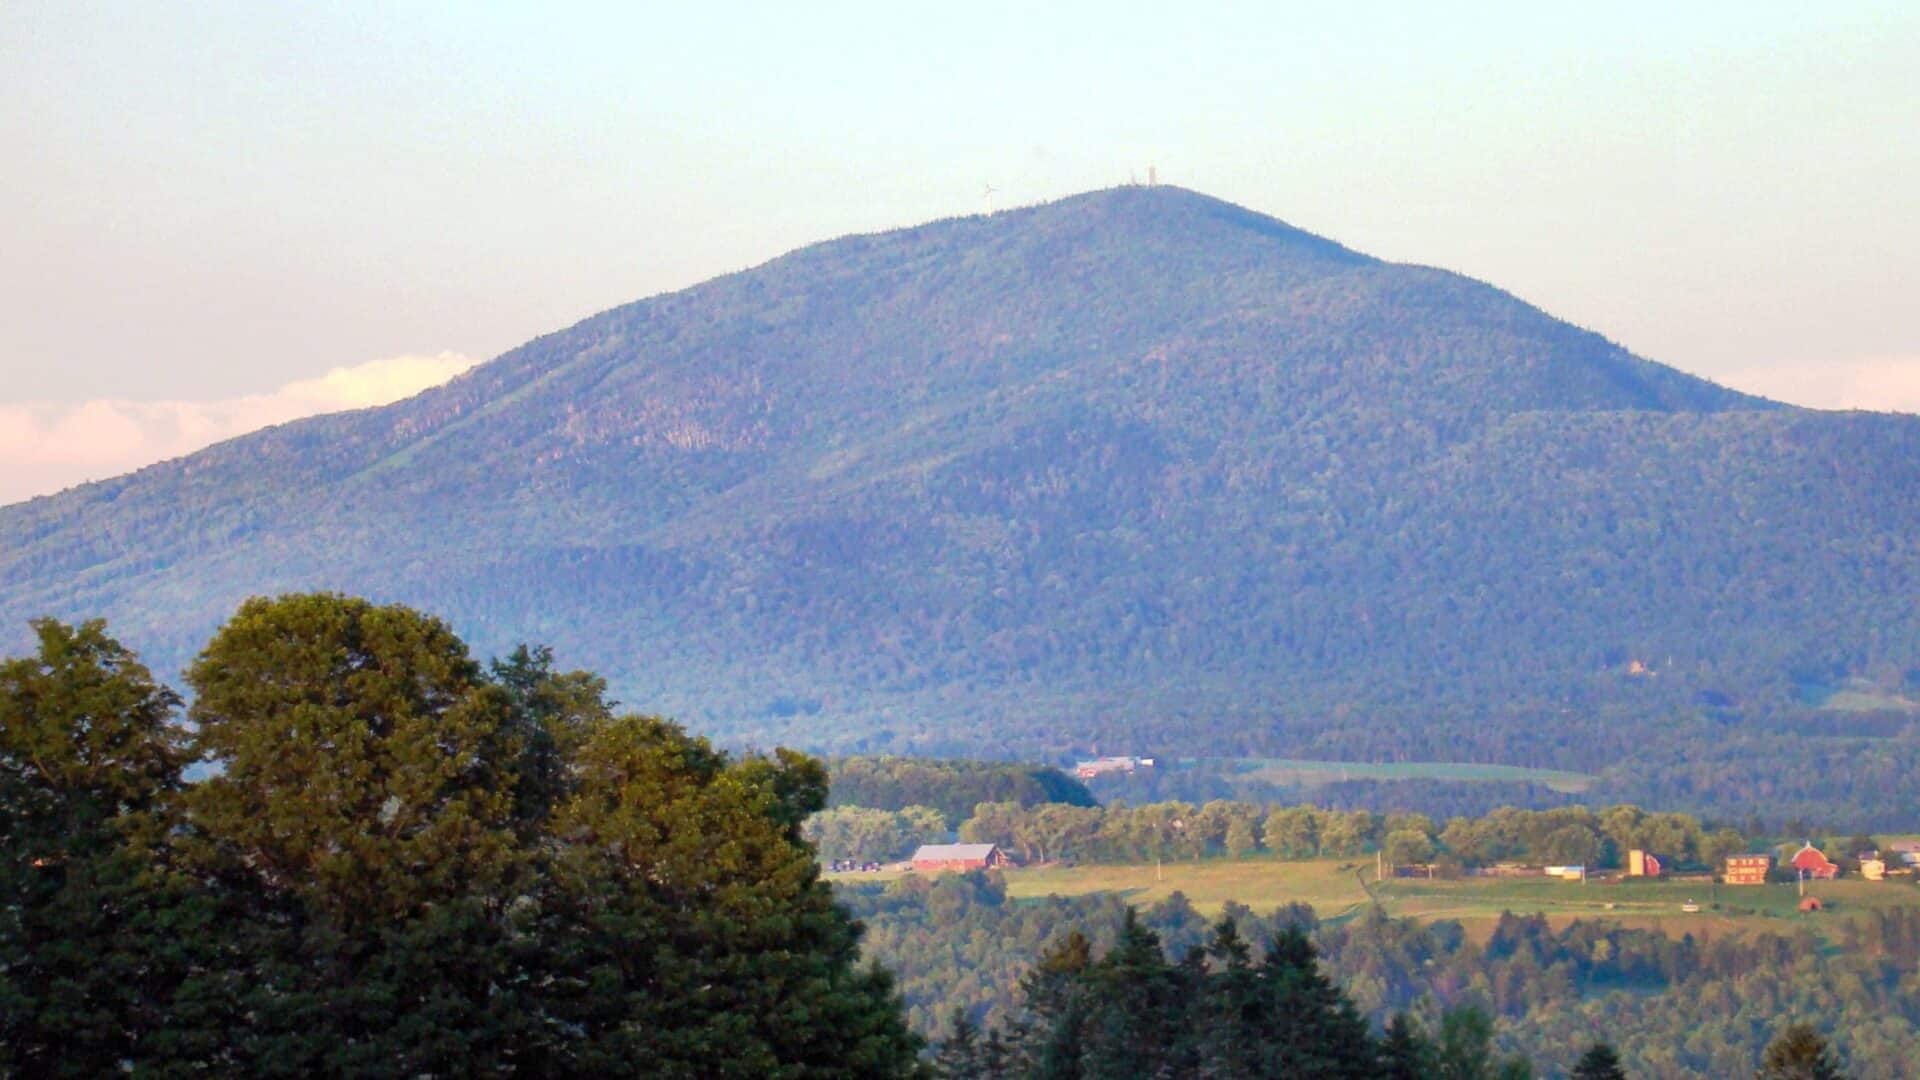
column 952, row 787
column 1204, row 781
column 406, row 864
column 1571, row 835
column 859, row 834
column 1673, row 1006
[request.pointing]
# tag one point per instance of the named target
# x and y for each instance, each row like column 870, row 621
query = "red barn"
column 1810, row 861
column 937, row 857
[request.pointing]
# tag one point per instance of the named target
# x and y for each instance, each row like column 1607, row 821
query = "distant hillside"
column 952, row 787
column 1137, row 468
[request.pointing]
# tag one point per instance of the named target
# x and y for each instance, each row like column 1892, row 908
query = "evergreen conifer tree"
column 1405, row 1051
column 1799, row 1053
column 1600, row 1062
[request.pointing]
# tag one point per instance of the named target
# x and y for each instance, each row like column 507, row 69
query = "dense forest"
column 1671, row 1007
column 1218, row 1012
column 1133, row 472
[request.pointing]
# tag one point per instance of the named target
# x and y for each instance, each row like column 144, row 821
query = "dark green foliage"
column 1573, row 835
column 860, row 835
column 952, row 787
column 1136, row 471
column 406, row 864
column 1798, row 1053
column 1600, row 1062
column 1670, row 1005
column 102, row 947
column 1217, row 1013
column 962, row 1054
column 1405, row 1051
column 1464, row 1050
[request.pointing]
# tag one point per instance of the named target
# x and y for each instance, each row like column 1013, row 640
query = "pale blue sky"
column 211, row 199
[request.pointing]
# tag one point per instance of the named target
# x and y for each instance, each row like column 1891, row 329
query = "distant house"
column 1087, row 770
column 1873, row 869
column 933, row 858
column 1748, row 869
column 1811, row 862
column 1812, row 903
column 1641, row 864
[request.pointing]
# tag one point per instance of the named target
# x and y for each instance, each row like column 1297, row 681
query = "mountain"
column 1138, row 468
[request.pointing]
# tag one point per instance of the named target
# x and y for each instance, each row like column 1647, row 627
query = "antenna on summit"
column 1153, row 177
column 986, row 195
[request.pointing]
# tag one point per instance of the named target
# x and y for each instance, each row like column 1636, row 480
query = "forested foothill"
column 951, row 787
column 1135, row 471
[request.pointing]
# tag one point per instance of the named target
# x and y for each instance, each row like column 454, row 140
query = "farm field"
column 1330, row 885
column 1302, row 773
column 1650, row 904
column 1335, row 889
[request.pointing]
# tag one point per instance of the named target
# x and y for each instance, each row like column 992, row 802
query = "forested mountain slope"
column 1136, row 467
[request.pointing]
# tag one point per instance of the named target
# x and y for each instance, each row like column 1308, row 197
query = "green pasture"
column 1655, row 904
column 1301, row 773
column 1330, row 885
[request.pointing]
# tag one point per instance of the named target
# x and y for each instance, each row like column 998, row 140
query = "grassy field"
column 1334, row 888
column 1300, row 773
column 1868, row 701
column 1477, row 902
column 1329, row 885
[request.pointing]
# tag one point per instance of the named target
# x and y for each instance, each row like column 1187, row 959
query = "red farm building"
column 1810, row 861
column 936, row 857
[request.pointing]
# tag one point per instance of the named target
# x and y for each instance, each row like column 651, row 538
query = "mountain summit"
column 1137, row 466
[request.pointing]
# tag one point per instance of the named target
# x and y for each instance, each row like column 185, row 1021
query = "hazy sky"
column 207, row 207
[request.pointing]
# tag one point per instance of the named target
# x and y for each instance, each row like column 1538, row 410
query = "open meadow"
column 1301, row 773
column 1339, row 888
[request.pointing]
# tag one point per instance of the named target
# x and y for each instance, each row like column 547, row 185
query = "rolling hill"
column 1138, row 468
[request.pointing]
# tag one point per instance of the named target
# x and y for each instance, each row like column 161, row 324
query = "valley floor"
column 1341, row 888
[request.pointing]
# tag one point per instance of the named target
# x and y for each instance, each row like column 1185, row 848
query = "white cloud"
column 45, row 447
column 1880, row 383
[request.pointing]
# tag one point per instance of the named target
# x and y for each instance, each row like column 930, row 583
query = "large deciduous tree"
column 105, row 956
column 406, row 863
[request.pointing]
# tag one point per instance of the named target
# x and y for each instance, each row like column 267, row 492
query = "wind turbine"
column 986, row 193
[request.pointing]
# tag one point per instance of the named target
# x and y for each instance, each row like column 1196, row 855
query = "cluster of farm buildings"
column 1087, row 770
column 1809, row 864
column 1902, row 858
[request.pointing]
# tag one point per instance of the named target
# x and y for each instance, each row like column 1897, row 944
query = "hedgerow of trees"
column 1573, row 835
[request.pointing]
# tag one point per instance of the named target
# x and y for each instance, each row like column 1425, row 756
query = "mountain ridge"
column 1047, row 460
